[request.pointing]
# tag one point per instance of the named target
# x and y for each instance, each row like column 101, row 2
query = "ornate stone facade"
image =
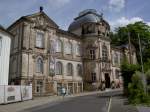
column 49, row 58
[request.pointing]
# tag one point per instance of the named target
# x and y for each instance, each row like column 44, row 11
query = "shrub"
column 127, row 71
column 136, row 91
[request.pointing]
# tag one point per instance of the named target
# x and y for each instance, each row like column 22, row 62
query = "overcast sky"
column 116, row 12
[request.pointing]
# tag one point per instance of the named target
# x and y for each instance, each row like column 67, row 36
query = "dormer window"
column 88, row 29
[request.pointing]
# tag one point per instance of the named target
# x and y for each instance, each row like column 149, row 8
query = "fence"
column 9, row 94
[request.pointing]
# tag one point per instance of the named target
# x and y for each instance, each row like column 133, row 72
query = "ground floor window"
column 117, row 74
column 39, row 86
column 93, row 75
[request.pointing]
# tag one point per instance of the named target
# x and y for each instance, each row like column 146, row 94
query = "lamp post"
column 141, row 57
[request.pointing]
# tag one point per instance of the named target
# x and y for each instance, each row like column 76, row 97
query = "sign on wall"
column 12, row 94
column 9, row 94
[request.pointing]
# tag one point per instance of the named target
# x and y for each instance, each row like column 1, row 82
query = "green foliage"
column 127, row 71
column 136, row 91
column 148, row 81
column 121, row 37
column 147, row 65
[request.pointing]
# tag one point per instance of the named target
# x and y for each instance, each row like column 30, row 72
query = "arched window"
column 39, row 65
column 104, row 53
column 59, row 45
column 0, row 45
column 68, row 48
column 59, row 68
column 116, row 58
column 40, row 40
column 69, row 69
column 79, row 70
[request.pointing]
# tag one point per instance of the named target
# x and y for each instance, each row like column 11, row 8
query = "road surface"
column 90, row 103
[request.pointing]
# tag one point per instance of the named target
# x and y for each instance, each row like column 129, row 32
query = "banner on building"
column 9, row 94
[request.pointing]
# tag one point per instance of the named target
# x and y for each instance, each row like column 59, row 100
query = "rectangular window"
column 40, row 40
column 0, row 45
column 93, row 77
column 92, row 54
column 117, row 74
column 39, row 86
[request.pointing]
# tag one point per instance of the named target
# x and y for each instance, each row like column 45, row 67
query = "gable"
column 41, row 19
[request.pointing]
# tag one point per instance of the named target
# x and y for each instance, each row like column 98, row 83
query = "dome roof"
column 89, row 15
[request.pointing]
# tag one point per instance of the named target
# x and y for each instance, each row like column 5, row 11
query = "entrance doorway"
column 107, row 80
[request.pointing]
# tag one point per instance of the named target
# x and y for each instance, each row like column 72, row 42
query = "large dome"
column 86, row 16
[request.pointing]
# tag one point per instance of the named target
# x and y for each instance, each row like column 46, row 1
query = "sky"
column 116, row 12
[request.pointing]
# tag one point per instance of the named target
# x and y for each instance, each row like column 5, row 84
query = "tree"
column 121, row 37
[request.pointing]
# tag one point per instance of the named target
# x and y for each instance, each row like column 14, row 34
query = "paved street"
column 85, row 102
column 90, row 103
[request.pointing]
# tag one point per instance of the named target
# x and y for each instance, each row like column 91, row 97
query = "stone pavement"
column 38, row 101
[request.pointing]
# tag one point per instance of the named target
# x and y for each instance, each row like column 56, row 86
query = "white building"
column 5, row 41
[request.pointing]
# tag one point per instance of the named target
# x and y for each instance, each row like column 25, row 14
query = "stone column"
column 77, row 88
column 73, row 87
column 82, row 86
column 67, row 88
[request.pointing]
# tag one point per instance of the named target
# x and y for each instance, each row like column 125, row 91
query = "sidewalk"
column 120, row 104
column 38, row 101
column 143, row 109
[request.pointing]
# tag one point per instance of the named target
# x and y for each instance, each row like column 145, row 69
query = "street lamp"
column 141, row 57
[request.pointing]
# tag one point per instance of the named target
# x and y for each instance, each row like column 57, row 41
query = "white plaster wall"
column 4, row 59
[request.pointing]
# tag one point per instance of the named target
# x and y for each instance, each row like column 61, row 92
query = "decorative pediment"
column 41, row 21
column 91, row 46
column 44, row 57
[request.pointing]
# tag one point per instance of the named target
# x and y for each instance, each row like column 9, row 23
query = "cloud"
column 58, row 3
column 116, row 5
column 123, row 21
column 148, row 23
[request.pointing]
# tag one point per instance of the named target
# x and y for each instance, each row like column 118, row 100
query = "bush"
column 127, row 71
column 136, row 91
column 148, row 81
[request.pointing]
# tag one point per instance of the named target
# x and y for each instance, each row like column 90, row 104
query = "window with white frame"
column 39, row 86
column 92, row 53
column 59, row 68
column 104, row 53
column 68, row 48
column 93, row 75
column 116, row 59
column 0, row 45
column 69, row 69
column 16, row 39
column 59, row 45
column 79, row 70
column 52, row 47
column 40, row 40
column 117, row 74
column 39, row 65
column 78, row 49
